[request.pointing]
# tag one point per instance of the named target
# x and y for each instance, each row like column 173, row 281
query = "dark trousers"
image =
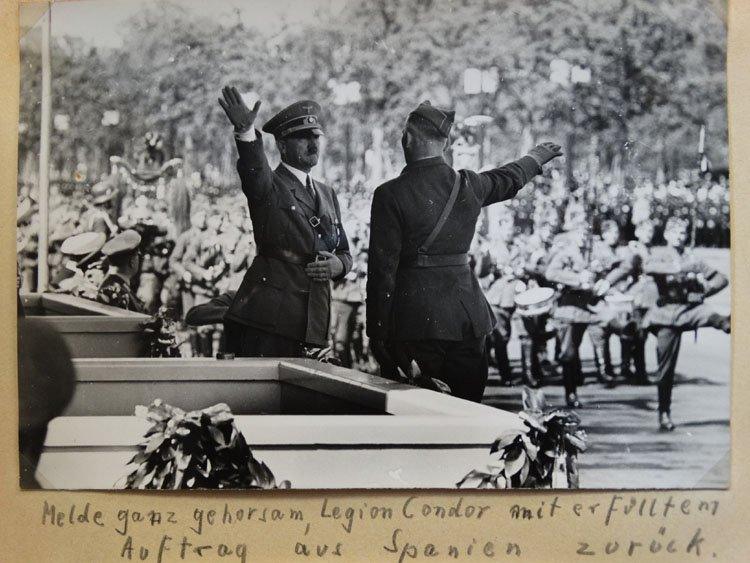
column 668, row 339
column 500, row 338
column 571, row 336
column 250, row 342
column 534, row 336
column 463, row 364
column 344, row 323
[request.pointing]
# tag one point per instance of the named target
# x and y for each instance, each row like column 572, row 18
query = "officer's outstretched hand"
column 324, row 270
column 241, row 116
column 544, row 152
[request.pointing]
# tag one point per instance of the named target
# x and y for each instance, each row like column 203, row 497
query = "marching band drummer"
column 683, row 282
column 579, row 302
column 533, row 332
column 506, row 255
column 609, row 255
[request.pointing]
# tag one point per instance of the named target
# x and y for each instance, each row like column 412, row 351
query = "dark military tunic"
column 116, row 292
column 446, row 303
column 437, row 316
column 680, row 302
column 276, row 295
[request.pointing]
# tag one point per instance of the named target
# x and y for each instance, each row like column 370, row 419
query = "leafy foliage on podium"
column 201, row 449
column 542, row 455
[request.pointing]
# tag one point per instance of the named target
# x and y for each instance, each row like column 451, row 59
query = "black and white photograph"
column 373, row 244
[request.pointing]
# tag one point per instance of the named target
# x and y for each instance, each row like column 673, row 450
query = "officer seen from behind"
column 424, row 303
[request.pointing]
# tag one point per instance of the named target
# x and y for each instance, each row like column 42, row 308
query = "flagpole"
column 44, row 151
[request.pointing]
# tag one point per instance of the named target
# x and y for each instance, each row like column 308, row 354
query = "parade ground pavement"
column 626, row 449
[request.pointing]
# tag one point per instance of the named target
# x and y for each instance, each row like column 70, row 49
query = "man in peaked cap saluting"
column 424, row 303
column 82, row 274
column 283, row 303
column 122, row 256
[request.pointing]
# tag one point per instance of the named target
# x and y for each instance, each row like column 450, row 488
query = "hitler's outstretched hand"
column 241, row 116
column 324, row 270
column 544, row 152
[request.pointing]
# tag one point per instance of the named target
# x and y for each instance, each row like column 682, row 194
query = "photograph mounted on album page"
column 332, row 244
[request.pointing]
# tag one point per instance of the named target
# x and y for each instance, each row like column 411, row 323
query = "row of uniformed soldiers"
column 606, row 288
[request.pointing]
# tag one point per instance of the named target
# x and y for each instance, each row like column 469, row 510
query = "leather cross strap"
column 443, row 216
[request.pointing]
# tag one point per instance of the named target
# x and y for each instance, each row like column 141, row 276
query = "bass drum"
column 535, row 302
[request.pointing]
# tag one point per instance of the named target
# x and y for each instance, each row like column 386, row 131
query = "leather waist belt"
column 437, row 260
column 289, row 257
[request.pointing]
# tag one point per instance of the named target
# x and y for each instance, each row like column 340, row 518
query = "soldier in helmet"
column 683, row 282
column 507, row 260
column 123, row 262
column 533, row 330
column 610, row 256
column 645, row 295
column 582, row 289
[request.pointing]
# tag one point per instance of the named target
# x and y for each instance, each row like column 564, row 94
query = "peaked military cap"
column 83, row 244
column 126, row 241
column 300, row 116
column 442, row 120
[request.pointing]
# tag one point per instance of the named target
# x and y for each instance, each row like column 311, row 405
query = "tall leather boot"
column 603, row 360
column 530, row 363
column 570, row 380
column 626, row 358
column 639, row 360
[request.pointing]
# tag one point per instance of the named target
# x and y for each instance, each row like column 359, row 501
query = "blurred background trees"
column 625, row 84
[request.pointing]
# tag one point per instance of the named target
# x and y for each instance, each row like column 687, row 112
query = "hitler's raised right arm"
column 255, row 173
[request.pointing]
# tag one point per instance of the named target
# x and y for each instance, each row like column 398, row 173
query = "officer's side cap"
column 442, row 120
column 298, row 117
column 83, row 244
column 126, row 241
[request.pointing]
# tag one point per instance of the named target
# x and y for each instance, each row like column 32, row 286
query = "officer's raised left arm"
column 504, row 182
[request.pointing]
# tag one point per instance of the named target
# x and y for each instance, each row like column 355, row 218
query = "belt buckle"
column 314, row 221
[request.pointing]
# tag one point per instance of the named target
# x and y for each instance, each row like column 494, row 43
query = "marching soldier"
column 506, row 257
column 645, row 295
column 124, row 261
column 683, row 282
column 424, row 303
column 533, row 331
column 283, row 303
column 579, row 302
column 608, row 256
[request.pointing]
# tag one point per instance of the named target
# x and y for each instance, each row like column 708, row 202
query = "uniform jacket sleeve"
column 212, row 312
column 504, row 182
column 342, row 252
column 715, row 280
column 384, row 252
column 255, row 173
column 625, row 267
